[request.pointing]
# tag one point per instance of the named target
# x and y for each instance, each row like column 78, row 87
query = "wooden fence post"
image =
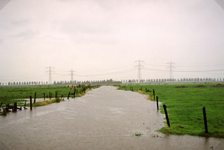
column 30, row 102
column 25, row 105
column 15, row 107
column 157, row 103
column 56, row 93
column 68, row 95
column 167, row 118
column 35, row 94
column 1, row 106
column 205, row 120
column 154, row 94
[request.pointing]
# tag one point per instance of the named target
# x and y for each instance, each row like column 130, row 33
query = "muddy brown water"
column 104, row 118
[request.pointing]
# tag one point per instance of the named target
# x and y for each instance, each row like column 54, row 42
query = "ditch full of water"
column 104, row 118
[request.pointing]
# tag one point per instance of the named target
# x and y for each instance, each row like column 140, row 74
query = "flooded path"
column 105, row 118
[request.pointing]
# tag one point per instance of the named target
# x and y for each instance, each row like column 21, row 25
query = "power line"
column 139, row 69
column 156, row 70
column 201, row 71
column 117, row 72
column 154, row 64
column 106, row 69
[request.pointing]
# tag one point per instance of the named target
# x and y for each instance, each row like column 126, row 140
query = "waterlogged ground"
column 105, row 118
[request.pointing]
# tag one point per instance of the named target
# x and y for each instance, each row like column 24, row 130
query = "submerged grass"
column 137, row 134
column 184, row 106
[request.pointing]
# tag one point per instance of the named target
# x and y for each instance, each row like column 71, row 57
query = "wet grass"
column 9, row 95
column 184, row 106
column 46, row 102
column 4, row 112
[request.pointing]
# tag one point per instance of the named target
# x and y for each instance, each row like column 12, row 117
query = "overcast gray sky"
column 102, row 39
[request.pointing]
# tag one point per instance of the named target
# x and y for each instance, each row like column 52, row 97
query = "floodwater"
column 104, row 118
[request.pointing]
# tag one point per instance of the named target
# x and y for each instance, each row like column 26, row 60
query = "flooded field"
column 105, row 118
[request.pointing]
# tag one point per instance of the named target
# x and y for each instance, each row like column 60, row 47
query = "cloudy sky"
column 103, row 39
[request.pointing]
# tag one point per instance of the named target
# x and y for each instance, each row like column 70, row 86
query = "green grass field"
column 184, row 107
column 9, row 95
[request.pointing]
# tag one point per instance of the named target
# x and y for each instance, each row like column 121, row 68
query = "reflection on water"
column 104, row 118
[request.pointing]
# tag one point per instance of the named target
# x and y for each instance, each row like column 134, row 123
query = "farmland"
column 11, row 94
column 184, row 106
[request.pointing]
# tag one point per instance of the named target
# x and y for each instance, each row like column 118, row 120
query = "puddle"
column 104, row 118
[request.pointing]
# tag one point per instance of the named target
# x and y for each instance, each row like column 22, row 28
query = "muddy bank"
column 104, row 118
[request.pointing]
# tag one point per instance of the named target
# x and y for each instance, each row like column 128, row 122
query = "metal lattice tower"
column 71, row 74
column 50, row 70
column 139, row 66
column 171, row 69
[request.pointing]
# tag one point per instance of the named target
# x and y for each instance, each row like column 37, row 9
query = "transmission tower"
column 139, row 66
column 71, row 74
column 171, row 69
column 50, row 70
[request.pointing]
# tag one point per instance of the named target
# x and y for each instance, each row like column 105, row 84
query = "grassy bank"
column 46, row 102
column 9, row 95
column 184, row 106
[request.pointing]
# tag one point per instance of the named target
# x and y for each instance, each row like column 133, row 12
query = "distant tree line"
column 175, row 80
column 110, row 81
column 98, row 82
column 25, row 83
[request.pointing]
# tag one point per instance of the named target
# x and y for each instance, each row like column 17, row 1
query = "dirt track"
column 105, row 118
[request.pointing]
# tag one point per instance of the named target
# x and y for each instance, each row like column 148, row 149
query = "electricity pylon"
column 171, row 69
column 139, row 66
column 50, row 70
column 71, row 74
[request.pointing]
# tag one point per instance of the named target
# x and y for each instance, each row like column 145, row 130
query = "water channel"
column 104, row 118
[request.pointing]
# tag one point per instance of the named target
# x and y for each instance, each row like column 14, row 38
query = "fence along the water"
column 14, row 108
column 167, row 118
column 165, row 108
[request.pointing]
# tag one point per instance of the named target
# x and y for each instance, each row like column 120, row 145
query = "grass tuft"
column 57, row 100
column 137, row 134
column 4, row 112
